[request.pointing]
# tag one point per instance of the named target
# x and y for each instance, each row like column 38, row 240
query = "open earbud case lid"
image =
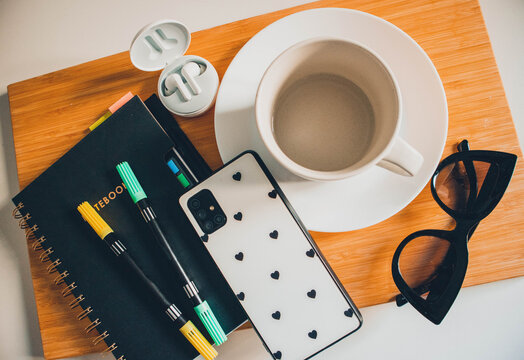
column 158, row 44
column 162, row 45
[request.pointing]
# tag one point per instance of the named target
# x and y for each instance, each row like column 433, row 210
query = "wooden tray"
column 51, row 113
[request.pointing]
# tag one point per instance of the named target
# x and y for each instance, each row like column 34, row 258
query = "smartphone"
column 292, row 297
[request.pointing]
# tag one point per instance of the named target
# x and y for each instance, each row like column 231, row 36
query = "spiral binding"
column 84, row 313
column 60, row 279
column 76, row 301
column 37, row 244
column 68, row 289
column 92, row 326
column 100, row 337
column 44, row 255
column 54, row 264
column 111, row 348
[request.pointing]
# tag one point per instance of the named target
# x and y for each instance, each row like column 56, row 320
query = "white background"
column 39, row 36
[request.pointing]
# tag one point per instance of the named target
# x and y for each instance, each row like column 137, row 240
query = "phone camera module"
column 206, row 211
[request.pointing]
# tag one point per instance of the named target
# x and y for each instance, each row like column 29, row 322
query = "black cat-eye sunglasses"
column 429, row 266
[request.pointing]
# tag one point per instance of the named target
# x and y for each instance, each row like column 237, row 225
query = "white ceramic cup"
column 329, row 108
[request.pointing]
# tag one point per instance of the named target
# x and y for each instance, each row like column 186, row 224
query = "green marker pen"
column 201, row 307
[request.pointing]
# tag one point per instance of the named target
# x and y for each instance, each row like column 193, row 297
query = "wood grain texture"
column 51, row 113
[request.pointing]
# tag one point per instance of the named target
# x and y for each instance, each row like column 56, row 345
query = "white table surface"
column 37, row 36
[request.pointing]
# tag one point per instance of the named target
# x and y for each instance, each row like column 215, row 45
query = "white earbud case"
column 162, row 45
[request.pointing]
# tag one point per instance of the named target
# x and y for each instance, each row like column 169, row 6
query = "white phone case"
column 292, row 297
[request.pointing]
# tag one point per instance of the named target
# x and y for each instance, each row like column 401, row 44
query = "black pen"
column 187, row 328
column 182, row 146
column 201, row 307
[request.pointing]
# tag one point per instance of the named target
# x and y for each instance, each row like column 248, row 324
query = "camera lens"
column 202, row 214
column 208, row 225
column 219, row 219
column 194, row 203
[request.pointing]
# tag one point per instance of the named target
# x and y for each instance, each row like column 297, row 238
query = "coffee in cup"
column 328, row 109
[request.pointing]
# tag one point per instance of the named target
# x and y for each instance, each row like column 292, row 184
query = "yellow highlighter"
column 186, row 327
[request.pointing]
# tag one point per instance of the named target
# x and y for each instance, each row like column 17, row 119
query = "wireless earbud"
column 189, row 72
column 173, row 82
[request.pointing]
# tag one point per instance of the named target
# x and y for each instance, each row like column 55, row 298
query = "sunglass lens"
column 459, row 184
column 423, row 260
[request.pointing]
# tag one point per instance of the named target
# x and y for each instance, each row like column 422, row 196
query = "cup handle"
column 403, row 159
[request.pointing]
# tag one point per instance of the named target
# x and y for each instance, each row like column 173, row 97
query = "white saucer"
column 364, row 199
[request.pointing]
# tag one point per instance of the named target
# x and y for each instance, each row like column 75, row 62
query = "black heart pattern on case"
column 273, row 234
column 348, row 312
column 272, row 194
column 241, row 296
column 239, row 256
column 237, row 176
column 275, row 275
column 276, row 315
column 312, row 294
column 204, row 237
column 277, row 355
column 238, row 216
column 312, row 334
column 310, row 253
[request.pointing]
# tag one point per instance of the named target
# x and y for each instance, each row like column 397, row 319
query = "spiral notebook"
column 120, row 310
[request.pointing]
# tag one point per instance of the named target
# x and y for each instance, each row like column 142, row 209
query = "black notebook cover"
column 135, row 324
